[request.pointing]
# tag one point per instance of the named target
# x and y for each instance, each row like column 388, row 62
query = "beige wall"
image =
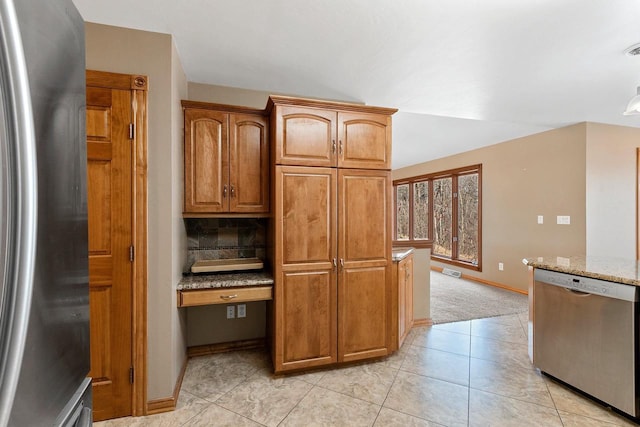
column 611, row 190
column 542, row 174
column 179, row 238
column 153, row 54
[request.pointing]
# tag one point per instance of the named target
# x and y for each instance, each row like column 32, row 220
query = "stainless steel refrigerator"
column 44, row 298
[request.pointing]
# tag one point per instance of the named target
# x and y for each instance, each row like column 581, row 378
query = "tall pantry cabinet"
column 331, row 205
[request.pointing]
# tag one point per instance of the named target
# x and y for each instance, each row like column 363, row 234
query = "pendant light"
column 634, row 105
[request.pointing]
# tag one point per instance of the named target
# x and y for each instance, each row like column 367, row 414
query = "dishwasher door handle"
column 578, row 293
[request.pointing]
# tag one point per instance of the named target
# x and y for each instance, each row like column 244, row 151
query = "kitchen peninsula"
column 583, row 317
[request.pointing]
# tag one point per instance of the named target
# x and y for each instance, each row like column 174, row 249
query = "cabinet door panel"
column 364, row 284
column 364, row 296
column 206, row 161
column 364, row 141
column 306, row 214
column 249, row 163
column 308, row 319
column 305, row 279
column 364, row 201
column 305, row 136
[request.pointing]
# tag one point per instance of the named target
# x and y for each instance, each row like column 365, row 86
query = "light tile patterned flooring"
column 471, row 373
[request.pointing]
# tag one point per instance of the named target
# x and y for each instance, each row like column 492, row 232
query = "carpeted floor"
column 455, row 299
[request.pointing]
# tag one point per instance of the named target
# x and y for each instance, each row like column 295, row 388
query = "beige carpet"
column 453, row 300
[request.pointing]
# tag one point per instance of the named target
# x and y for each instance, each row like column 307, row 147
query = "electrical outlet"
column 242, row 310
column 500, row 266
column 540, row 219
column 564, row 219
column 231, row 311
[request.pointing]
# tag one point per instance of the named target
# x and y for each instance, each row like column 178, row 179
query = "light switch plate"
column 242, row 310
column 540, row 219
column 564, row 219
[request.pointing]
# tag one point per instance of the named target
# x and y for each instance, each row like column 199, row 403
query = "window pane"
column 402, row 212
column 421, row 210
column 442, row 216
column 468, row 218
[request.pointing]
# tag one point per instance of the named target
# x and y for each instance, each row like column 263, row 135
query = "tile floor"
column 471, row 373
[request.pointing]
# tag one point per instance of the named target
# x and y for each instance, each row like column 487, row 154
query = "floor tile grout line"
column 296, row 405
column 469, row 386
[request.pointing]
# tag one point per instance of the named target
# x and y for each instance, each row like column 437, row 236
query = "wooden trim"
column 423, row 322
column 140, row 232
column 418, row 244
column 225, row 215
column 223, row 347
column 116, row 80
column 332, row 105
column 440, row 174
column 221, row 107
column 158, row 406
column 485, row 282
column 461, row 264
column 138, row 85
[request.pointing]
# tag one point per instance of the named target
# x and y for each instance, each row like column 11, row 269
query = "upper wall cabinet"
column 226, row 160
column 332, row 134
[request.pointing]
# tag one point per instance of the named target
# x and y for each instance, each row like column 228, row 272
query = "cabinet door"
column 364, row 141
column 364, row 283
column 305, row 274
column 402, row 301
column 409, row 294
column 304, row 136
column 248, row 163
column 206, row 161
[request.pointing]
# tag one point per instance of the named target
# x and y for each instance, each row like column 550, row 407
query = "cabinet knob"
column 335, row 264
column 224, row 191
column 341, row 147
column 333, row 146
column 233, row 191
column 342, row 263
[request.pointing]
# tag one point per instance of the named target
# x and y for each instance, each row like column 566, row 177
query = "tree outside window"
column 442, row 211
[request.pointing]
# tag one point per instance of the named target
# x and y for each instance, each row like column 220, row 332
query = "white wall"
column 611, row 190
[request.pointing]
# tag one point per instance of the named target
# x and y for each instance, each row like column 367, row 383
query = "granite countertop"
column 398, row 254
column 620, row 270
column 225, row 280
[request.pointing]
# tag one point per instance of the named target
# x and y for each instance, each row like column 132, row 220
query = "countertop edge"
column 398, row 254
column 582, row 272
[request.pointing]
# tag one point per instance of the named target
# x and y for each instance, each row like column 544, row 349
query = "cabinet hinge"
column 131, row 375
column 132, row 253
column 455, row 195
column 132, row 129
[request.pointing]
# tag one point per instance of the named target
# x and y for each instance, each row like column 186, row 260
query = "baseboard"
column 484, row 282
column 223, row 347
column 423, row 322
column 168, row 404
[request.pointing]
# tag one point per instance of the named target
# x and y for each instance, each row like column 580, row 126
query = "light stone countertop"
column 618, row 270
column 225, row 280
column 398, row 254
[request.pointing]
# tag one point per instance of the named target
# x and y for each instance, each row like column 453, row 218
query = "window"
column 442, row 211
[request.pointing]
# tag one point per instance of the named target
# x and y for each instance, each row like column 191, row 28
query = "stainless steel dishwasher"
column 585, row 334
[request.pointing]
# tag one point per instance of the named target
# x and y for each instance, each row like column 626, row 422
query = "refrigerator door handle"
column 21, row 205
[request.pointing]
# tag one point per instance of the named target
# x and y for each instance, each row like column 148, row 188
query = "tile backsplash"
column 224, row 238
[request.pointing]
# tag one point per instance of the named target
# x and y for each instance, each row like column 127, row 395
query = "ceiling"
column 463, row 73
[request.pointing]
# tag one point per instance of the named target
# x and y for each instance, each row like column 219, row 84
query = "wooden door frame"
column 138, row 85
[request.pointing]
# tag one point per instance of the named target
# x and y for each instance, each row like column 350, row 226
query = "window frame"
column 428, row 243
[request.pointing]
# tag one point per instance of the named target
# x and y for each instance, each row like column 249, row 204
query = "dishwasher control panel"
column 587, row 285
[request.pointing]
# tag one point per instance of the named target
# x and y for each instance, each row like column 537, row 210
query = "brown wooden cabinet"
column 332, row 294
column 226, row 160
column 403, row 314
column 332, row 234
column 332, row 134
